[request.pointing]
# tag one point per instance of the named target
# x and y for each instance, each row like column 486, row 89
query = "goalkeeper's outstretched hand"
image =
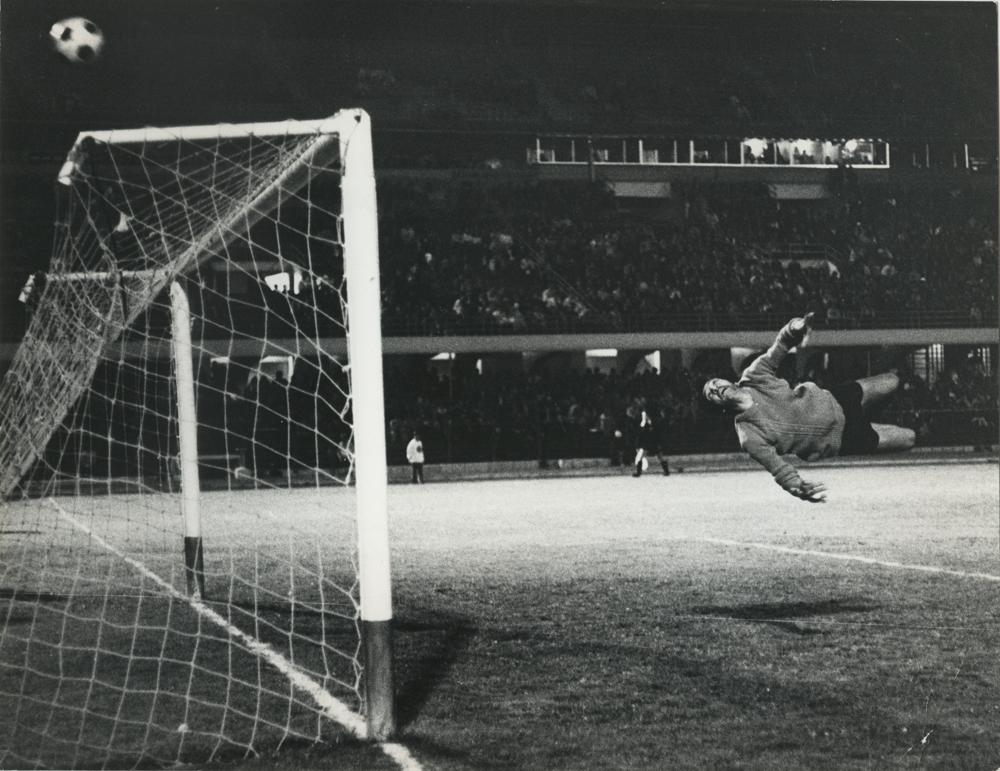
column 814, row 492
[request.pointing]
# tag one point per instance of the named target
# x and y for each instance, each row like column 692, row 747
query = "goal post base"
column 376, row 640
column 194, row 566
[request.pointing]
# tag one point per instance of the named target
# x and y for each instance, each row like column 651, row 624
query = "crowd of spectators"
column 959, row 407
column 518, row 257
column 551, row 257
column 460, row 257
column 544, row 415
column 277, row 426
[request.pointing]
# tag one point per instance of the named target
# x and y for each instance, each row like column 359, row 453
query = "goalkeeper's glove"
column 814, row 492
column 796, row 331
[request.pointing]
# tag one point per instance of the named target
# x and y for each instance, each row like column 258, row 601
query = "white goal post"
column 153, row 332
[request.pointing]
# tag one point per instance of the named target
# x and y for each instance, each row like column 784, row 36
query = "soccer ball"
column 78, row 40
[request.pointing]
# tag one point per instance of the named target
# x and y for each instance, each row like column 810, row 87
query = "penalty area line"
column 844, row 557
column 330, row 705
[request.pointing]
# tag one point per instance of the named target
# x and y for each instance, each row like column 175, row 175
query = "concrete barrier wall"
column 688, row 464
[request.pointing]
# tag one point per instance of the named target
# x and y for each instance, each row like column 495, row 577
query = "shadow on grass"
column 785, row 615
column 29, row 599
column 20, row 596
column 447, row 638
column 278, row 609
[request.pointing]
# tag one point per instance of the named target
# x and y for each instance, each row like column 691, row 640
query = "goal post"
column 202, row 365
column 365, row 346
column 187, row 440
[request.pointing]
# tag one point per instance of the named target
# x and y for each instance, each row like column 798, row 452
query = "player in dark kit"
column 773, row 419
column 647, row 443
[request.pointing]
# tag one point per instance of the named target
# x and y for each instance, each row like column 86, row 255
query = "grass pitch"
column 703, row 621
column 700, row 621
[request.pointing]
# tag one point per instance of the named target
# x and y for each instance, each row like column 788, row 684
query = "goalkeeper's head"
column 726, row 396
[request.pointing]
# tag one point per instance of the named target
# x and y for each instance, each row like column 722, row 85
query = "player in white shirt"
column 415, row 457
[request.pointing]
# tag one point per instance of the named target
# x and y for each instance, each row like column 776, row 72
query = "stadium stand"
column 473, row 242
column 524, row 257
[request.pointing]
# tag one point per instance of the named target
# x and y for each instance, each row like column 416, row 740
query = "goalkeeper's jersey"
column 806, row 421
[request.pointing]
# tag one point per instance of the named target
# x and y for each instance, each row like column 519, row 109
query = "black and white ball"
column 78, row 40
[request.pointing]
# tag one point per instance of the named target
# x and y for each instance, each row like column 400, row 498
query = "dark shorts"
column 859, row 436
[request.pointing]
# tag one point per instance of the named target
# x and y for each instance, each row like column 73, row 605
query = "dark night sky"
column 202, row 61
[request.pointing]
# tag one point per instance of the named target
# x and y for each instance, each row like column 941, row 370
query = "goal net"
column 194, row 558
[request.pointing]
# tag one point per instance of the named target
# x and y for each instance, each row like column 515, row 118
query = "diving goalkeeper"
column 773, row 419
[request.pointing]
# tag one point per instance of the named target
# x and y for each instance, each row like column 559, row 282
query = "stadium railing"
column 405, row 326
column 426, row 325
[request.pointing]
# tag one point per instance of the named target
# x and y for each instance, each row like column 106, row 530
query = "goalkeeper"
column 773, row 419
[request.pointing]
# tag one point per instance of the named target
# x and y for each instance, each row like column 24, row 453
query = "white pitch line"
column 846, row 557
column 401, row 755
column 333, row 707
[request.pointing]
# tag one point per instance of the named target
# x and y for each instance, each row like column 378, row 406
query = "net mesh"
column 104, row 658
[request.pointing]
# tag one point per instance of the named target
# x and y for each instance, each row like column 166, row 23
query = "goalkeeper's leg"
column 894, row 438
column 875, row 389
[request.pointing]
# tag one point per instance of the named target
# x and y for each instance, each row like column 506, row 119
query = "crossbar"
column 331, row 125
